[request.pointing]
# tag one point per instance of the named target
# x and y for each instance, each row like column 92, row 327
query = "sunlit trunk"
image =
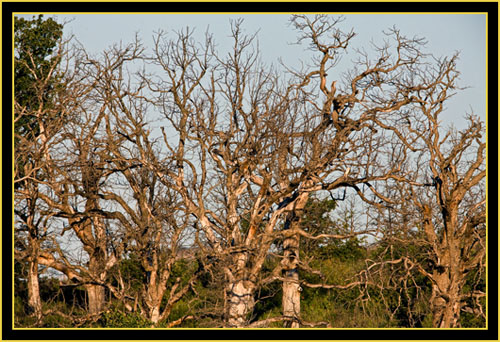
column 291, row 286
column 240, row 303
column 448, row 279
column 154, row 314
column 153, row 297
column 291, row 298
column 95, row 294
column 445, row 306
column 34, row 300
column 290, row 262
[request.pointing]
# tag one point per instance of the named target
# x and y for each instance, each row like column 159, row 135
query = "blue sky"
column 445, row 33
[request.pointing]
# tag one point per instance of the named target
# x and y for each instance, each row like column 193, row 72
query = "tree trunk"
column 95, row 295
column 445, row 306
column 446, row 289
column 448, row 276
column 291, row 286
column 154, row 314
column 291, row 298
column 153, row 296
column 34, row 301
column 240, row 302
column 96, row 292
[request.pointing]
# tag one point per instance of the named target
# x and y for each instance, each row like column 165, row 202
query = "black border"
column 248, row 6
column 268, row 334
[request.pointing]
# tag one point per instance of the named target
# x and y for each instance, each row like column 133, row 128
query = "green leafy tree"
column 36, row 82
column 35, row 42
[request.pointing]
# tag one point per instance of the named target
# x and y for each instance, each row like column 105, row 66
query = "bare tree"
column 439, row 200
column 254, row 144
column 157, row 226
column 354, row 141
column 99, row 188
column 80, row 173
column 120, row 205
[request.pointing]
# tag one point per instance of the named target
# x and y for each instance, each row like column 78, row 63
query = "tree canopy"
column 35, row 42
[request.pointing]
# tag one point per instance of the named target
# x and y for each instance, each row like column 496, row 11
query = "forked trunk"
column 445, row 304
column 240, row 303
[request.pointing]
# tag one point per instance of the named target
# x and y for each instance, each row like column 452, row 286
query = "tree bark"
column 153, row 296
column 291, row 257
column 291, row 286
column 445, row 304
column 34, row 300
column 448, row 281
column 96, row 292
column 291, row 298
column 95, row 295
column 154, row 314
column 240, row 302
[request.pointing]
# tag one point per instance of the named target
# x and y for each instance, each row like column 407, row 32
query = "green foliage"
column 21, row 318
column 49, row 288
column 184, row 269
column 132, row 272
column 20, row 276
column 18, row 306
column 350, row 249
column 59, row 315
column 476, row 281
column 268, row 299
column 119, row 319
column 427, row 321
column 34, row 43
column 316, row 219
column 407, row 293
column 342, row 308
column 179, row 310
column 35, row 80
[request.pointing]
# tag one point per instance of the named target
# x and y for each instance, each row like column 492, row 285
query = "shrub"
column 119, row 319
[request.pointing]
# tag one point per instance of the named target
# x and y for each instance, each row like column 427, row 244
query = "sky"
column 445, row 34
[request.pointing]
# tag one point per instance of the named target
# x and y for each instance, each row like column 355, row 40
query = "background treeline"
column 181, row 186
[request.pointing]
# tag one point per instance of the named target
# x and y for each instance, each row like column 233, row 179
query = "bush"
column 119, row 319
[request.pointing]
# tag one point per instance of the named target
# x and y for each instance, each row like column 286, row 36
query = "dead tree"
column 251, row 143
column 157, row 226
column 102, row 189
column 79, row 174
column 442, row 190
column 352, row 137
